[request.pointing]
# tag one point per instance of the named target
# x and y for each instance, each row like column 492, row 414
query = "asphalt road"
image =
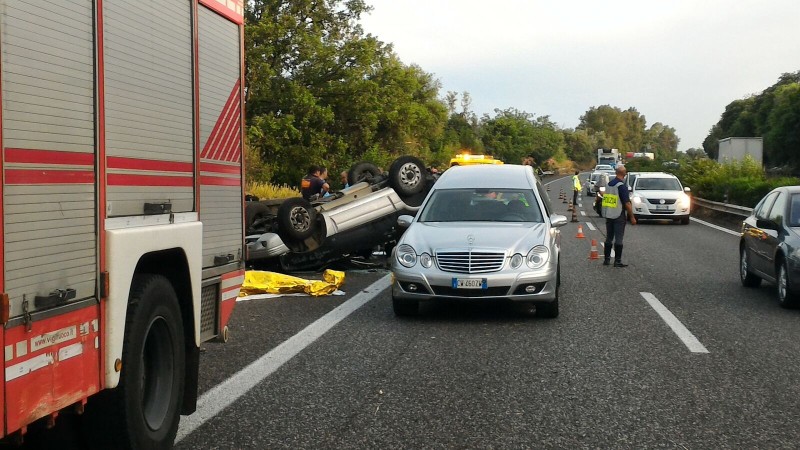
column 717, row 368
column 609, row 372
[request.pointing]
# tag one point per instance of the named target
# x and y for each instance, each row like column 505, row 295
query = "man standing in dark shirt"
column 313, row 184
column 616, row 203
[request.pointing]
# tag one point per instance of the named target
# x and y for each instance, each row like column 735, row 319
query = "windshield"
column 482, row 205
column 603, row 167
column 794, row 214
column 658, row 184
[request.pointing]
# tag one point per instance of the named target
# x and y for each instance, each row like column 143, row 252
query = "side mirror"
column 766, row 224
column 404, row 221
column 557, row 220
column 686, row 189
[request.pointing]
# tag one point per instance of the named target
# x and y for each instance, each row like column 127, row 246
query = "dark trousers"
column 575, row 197
column 615, row 231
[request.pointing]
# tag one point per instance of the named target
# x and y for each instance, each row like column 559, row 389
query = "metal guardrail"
column 723, row 207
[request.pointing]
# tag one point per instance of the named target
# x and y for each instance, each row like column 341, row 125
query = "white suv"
column 659, row 195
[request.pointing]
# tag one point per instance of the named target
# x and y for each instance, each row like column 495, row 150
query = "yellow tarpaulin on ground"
column 261, row 282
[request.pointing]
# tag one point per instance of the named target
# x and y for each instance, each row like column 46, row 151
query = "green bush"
column 740, row 182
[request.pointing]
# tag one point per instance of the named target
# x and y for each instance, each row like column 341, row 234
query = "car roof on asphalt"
column 487, row 176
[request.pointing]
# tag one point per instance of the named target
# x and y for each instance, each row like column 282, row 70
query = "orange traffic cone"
column 580, row 232
column 570, row 207
column 574, row 215
column 593, row 253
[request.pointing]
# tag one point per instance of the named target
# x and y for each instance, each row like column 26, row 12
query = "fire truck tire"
column 144, row 410
column 407, row 175
column 362, row 171
column 297, row 220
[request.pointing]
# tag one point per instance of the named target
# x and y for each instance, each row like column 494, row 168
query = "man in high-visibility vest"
column 576, row 188
column 616, row 202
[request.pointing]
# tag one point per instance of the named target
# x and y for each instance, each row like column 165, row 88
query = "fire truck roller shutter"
column 48, row 151
column 149, row 106
column 220, row 139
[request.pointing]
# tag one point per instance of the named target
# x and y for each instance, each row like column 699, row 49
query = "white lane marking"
column 224, row 394
column 591, row 227
column 583, row 213
column 716, row 227
column 683, row 333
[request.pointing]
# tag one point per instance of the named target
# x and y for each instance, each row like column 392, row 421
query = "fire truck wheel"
column 144, row 410
column 407, row 175
column 296, row 220
column 362, row 171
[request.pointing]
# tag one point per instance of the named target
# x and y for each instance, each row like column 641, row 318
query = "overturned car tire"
column 363, row 171
column 254, row 215
column 296, row 220
column 407, row 176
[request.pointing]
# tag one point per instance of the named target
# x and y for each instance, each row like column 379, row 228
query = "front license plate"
column 662, row 207
column 469, row 283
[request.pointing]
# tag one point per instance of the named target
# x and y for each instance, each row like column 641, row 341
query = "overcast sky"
column 679, row 62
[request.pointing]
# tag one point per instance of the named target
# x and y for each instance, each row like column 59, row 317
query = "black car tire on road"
column 404, row 307
column 747, row 278
column 685, row 220
column 550, row 310
column 363, row 171
column 786, row 296
column 407, row 175
column 297, row 219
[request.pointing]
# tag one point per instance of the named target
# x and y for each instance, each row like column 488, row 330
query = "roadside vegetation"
column 741, row 183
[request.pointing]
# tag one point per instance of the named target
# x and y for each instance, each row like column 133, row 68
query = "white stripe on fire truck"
column 26, row 367
column 70, row 351
column 227, row 284
column 9, row 352
column 230, row 295
column 22, row 348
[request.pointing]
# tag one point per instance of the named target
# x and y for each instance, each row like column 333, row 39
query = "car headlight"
column 516, row 261
column 537, row 257
column 637, row 200
column 406, row 255
column 426, row 260
column 684, row 200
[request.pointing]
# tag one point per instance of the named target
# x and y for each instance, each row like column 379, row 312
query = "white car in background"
column 659, row 195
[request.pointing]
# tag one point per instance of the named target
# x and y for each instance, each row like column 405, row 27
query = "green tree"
column 512, row 135
column 783, row 134
column 320, row 90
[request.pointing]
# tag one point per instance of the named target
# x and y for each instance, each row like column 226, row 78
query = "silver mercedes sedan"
column 483, row 232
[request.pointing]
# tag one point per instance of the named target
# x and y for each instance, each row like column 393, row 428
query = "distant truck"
column 608, row 156
column 735, row 149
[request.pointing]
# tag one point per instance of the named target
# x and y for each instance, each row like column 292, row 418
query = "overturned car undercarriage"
column 294, row 234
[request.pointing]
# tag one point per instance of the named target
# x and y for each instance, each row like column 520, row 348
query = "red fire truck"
column 122, row 198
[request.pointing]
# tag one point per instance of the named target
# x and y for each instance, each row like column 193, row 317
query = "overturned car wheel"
column 363, row 171
column 255, row 214
column 296, row 220
column 407, row 175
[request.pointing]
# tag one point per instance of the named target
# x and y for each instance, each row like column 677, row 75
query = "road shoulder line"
column 716, row 227
column 224, row 394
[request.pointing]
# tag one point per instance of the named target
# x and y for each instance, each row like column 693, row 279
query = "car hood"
column 514, row 237
column 658, row 193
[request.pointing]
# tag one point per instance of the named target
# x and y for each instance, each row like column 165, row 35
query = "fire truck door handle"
column 223, row 259
column 54, row 298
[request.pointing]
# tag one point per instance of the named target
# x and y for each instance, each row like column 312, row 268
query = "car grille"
column 657, row 201
column 470, row 261
column 488, row 292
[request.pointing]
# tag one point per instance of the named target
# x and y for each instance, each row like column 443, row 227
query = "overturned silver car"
column 302, row 235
